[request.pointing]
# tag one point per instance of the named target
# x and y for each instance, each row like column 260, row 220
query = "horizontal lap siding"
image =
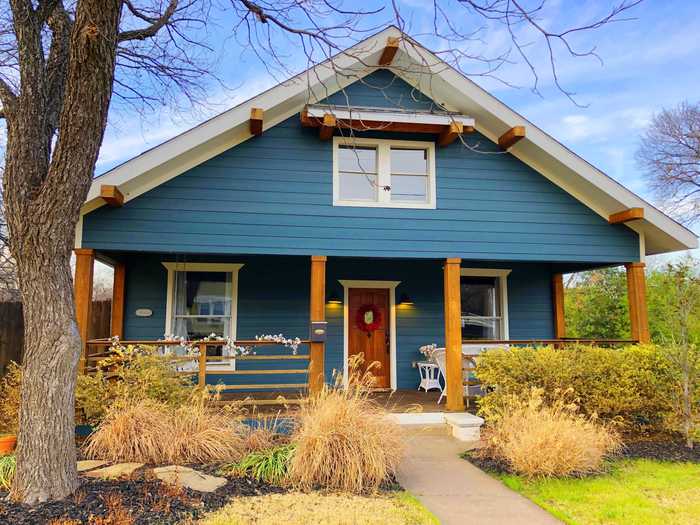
column 273, row 195
column 273, row 297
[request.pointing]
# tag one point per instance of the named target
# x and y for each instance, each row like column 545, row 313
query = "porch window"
column 484, row 304
column 383, row 173
column 202, row 300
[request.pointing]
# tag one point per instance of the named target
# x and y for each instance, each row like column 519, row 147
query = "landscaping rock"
column 190, row 478
column 90, row 464
column 115, row 471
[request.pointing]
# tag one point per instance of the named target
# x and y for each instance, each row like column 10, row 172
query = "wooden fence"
column 12, row 328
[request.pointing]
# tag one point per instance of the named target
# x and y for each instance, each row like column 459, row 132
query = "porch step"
column 464, row 426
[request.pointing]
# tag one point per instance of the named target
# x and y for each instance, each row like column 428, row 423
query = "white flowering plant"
column 428, row 351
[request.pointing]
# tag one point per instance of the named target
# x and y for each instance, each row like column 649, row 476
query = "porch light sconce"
column 333, row 298
column 405, row 300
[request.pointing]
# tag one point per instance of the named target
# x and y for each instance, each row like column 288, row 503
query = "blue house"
column 386, row 195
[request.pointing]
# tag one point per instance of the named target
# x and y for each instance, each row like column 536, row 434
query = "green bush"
column 132, row 374
column 627, row 385
column 270, row 465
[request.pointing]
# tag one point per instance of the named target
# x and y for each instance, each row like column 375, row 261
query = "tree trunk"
column 43, row 200
column 46, row 445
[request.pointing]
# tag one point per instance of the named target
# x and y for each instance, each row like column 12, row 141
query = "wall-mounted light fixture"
column 405, row 300
column 334, row 298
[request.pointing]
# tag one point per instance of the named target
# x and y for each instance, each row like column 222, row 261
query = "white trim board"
column 388, row 285
column 427, row 72
column 502, row 275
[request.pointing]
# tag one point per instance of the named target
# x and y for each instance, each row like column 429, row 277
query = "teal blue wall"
column 273, row 195
column 273, row 297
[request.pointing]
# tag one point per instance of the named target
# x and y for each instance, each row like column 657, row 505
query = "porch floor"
column 399, row 401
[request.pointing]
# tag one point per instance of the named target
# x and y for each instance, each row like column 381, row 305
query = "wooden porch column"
column 558, row 304
column 82, row 290
column 637, row 299
column 317, row 313
column 117, row 324
column 453, row 336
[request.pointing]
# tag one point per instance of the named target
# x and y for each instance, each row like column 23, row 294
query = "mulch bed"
column 147, row 501
column 663, row 448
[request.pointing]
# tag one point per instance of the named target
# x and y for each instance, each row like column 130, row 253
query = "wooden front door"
column 375, row 344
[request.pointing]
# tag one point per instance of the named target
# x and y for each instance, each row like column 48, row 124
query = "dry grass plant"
column 344, row 441
column 199, row 431
column 537, row 439
column 10, row 385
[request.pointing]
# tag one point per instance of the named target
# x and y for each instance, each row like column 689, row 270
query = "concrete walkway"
column 457, row 492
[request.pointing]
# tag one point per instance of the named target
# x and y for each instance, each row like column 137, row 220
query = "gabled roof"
column 436, row 79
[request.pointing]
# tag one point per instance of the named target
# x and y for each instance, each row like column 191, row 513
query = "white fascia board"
column 539, row 150
column 230, row 128
column 379, row 115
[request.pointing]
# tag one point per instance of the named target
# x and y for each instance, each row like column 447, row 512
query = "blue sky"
column 648, row 64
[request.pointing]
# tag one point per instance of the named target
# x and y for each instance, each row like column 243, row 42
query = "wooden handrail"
column 562, row 341
column 244, row 342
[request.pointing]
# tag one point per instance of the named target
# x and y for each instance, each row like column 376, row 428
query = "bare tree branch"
column 156, row 24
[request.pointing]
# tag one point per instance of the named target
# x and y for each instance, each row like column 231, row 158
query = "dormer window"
column 383, row 173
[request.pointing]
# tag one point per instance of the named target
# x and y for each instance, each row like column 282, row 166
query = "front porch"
column 418, row 302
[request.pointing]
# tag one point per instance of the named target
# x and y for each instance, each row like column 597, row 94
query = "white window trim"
column 384, row 172
column 502, row 275
column 232, row 268
column 388, row 285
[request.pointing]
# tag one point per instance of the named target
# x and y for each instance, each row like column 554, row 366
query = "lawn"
column 400, row 508
column 638, row 492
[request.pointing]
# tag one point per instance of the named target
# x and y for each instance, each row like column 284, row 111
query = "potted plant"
column 7, row 443
column 9, row 407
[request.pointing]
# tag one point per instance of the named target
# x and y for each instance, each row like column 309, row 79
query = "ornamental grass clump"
column 536, row 439
column 10, row 385
column 8, row 466
column 154, row 432
column 344, row 441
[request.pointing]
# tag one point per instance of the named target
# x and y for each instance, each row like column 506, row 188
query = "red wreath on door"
column 368, row 318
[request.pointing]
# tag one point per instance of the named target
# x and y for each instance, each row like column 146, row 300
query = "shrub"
column 132, row 374
column 537, row 439
column 153, row 432
column 269, row 465
column 10, row 385
column 8, row 465
column 626, row 385
column 344, row 441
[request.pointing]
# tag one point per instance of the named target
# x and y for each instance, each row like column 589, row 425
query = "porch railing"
column 99, row 349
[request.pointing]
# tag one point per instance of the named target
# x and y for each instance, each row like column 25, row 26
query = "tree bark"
column 43, row 200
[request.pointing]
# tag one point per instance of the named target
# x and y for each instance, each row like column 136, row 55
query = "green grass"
column 8, row 464
column 266, row 465
column 639, row 492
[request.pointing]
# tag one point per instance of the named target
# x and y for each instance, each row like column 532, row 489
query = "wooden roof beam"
column 630, row 214
column 111, row 195
column 392, row 46
column 256, row 121
column 327, row 127
column 511, row 137
column 450, row 133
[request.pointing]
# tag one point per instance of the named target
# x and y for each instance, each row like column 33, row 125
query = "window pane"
column 481, row 328
column 200, row 293
column 358, row 159
column 358, row 187
column 409, row 161
column 479, row 297
column 409, row 188
column 200, row 327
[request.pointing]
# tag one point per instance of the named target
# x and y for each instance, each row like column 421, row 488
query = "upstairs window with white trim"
column 383, row 173
column 484, row 304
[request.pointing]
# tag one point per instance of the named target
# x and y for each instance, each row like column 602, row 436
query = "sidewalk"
column 457, row 492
